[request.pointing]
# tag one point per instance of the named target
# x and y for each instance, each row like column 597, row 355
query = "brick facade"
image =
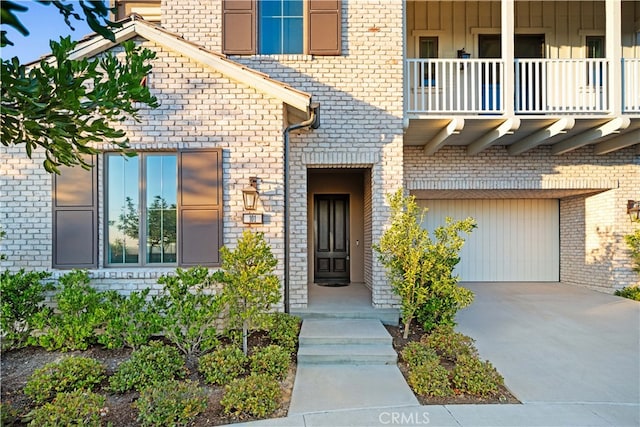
column 592, row 249
column 362, row 108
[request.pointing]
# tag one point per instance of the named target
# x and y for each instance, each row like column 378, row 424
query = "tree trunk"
column 407, row 323
column 245, row 333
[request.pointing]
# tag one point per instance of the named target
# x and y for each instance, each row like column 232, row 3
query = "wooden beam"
column 590, row 135
column 96, row 46
column 536, row 138
column 618, row 143
column 489, row 138
column 454, row 126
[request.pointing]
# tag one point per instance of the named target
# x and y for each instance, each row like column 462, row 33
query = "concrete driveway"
column 557, row 343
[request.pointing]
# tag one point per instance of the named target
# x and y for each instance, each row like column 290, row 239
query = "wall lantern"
column 633, row 209
column 250, row 194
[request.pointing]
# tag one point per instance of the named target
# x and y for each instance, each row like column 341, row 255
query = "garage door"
column 516, row 239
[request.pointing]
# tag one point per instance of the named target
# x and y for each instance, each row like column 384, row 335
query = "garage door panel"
column 516, row 239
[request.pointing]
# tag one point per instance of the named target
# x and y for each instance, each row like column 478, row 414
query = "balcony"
column 542, row 86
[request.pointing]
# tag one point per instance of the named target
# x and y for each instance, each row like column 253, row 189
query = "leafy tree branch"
column 66, row 106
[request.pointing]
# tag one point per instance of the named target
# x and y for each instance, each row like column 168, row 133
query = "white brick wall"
column 592, row 249
column 360, row 93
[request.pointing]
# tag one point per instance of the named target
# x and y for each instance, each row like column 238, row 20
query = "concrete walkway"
column 347, row 364
column 571, row 355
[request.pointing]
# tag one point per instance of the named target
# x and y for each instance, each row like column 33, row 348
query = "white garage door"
column 516, row 239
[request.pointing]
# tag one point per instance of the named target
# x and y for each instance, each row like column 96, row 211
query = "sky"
column 44, row 23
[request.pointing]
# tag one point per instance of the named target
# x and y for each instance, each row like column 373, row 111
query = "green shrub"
column 633, row 243
column 473, row 376
column 449, row 343
column 171, row 403
column 222, row 365
column 419, row 267
column 22, row 293
column 430, row 379
column 631, row 292
column 253, row 396
column 271, row 360
column 129, row 320
column 76, row 408
column 417, row 353
column 148, row 365
column 73, row 325
column 250, row 285
column 67, row 375
column 8, row 414
column 191, row 312
column 284, row 330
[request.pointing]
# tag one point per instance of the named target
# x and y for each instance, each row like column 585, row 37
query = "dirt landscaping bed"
column 416, row 334
column 18, row 365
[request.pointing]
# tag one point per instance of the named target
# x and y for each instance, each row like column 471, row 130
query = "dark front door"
column 331, row 238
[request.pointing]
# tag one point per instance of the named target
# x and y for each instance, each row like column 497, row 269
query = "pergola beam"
column 618, row 143
column 489, row 138
column 453, row 127
column 535, row 139
column 586, row 137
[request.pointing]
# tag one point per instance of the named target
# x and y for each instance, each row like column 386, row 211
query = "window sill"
column 279, row 58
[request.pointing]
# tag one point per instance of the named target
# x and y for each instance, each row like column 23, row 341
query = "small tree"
column 250, row 285
column 418, row 267
column 633, row 242
column 191, row 311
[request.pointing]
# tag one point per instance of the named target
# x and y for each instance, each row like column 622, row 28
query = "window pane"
column 270, row 8
column 161, row 230
column 293, row 35
column 292, row 8
column 428, row 47
column 123, row 217
column 270, row 36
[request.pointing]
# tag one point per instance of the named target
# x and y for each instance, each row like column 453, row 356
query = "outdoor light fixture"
column 633, row 209
column 250, row 194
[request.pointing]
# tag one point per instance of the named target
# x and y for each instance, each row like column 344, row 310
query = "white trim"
column 235, row 71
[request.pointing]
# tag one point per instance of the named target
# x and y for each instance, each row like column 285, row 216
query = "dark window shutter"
column 75, row 217
column 200, row 206
column 239, row 27
column 325, row 36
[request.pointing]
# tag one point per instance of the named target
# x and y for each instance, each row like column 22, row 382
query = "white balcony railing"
column 454, row 85
column 542, row 86
column 561, row 86
column 631, row 85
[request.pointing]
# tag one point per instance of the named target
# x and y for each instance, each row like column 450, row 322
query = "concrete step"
column 345, row 341
column 343, row 331
column 353, row 354
column 388, row 316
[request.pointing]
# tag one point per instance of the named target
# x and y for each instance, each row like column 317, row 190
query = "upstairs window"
column 280, row 27
column 595, row 50
column 273, row 27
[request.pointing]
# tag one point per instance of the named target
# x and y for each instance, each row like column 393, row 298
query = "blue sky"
column 44, row 23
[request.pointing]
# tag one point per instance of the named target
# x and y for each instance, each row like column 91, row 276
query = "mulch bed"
column 18, row 365
column 415, row 334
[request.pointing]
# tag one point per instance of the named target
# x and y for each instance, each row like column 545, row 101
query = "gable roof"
column 135, row 26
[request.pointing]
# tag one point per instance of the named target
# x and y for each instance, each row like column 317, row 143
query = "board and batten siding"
column 564, row 23
column 516, row 239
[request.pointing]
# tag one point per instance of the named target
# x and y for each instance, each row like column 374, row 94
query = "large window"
column 281, row 27
column 142, row 209
column 160, row 209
